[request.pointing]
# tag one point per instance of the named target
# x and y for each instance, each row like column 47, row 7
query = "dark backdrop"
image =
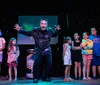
column 73, row 17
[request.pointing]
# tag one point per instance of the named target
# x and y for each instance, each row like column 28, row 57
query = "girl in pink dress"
column 13, row 53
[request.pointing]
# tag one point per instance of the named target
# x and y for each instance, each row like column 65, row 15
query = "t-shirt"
column 96, row 44
column 2, row 40
column 88, row 44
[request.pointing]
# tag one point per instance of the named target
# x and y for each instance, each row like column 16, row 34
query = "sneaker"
column 76, row 78
column 70, row 79
column 35, row 80
column 46, row 79
column 99, row 77
column 94, row 77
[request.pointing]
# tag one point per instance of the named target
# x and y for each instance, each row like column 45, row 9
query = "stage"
column 55, row 81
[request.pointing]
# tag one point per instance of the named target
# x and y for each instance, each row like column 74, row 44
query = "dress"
column 76, row 54
column 12, row 57
column 67, row 56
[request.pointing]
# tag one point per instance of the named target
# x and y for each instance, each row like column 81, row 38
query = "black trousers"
column 46, row 59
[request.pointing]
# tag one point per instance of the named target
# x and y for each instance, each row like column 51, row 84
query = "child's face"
column 76, row 36
column 85, row 36
column 70, row 41
column 93, row 31
column 14, row 42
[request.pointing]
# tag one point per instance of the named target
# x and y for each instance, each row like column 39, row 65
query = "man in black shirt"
column 42, row 37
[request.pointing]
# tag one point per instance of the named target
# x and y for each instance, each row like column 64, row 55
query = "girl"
column 87, row 45
column 67, row 58
column 77, row 58
column 13, row 53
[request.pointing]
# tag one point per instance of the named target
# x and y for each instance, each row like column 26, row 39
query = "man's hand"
column 17, row 27
column 58, row 27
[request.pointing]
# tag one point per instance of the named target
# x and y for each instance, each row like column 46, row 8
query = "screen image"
column 29, row 23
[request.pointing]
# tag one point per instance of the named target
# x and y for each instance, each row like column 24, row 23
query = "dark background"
column 73, row 16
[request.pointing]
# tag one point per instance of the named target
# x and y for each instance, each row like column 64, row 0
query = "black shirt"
column 42, row 37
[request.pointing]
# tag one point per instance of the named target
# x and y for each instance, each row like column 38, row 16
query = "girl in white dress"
column 67, row 58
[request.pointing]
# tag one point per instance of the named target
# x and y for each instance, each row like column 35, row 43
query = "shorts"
column 12, row 64
column 1, row 57
column 96, row 60
column 87, row 56
column 67, row 60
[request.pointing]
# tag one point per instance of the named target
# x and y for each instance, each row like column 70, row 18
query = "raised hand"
column 17, row 27
column 58, row 27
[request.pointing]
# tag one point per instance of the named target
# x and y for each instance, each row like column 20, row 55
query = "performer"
column 2, row 47
column 76, row 55
column 42, row 38
column 13, row 53
column 87, row 50
column 67, row 58
column 96, row 52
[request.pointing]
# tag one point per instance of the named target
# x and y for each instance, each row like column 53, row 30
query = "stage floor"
column 55, row 81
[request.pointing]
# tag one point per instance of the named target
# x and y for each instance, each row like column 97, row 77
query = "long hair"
column 79, row 36
column 10, row 45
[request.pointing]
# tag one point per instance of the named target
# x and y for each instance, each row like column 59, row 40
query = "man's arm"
column 27, row 33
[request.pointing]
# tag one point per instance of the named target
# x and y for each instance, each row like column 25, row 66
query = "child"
column 77, row 58
column 2, row 46
column 67, row 58
column 96, row 52
column 87, row 45
column 13, row 53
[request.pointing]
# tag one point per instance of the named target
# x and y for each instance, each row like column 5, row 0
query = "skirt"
column 12, row 64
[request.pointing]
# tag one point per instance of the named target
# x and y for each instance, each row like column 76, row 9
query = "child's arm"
column 73, row 45
column 64, row 49
column 3, row 44
column 90, row 44
column 84, row 44
column 17, row 54
column 78, row 47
